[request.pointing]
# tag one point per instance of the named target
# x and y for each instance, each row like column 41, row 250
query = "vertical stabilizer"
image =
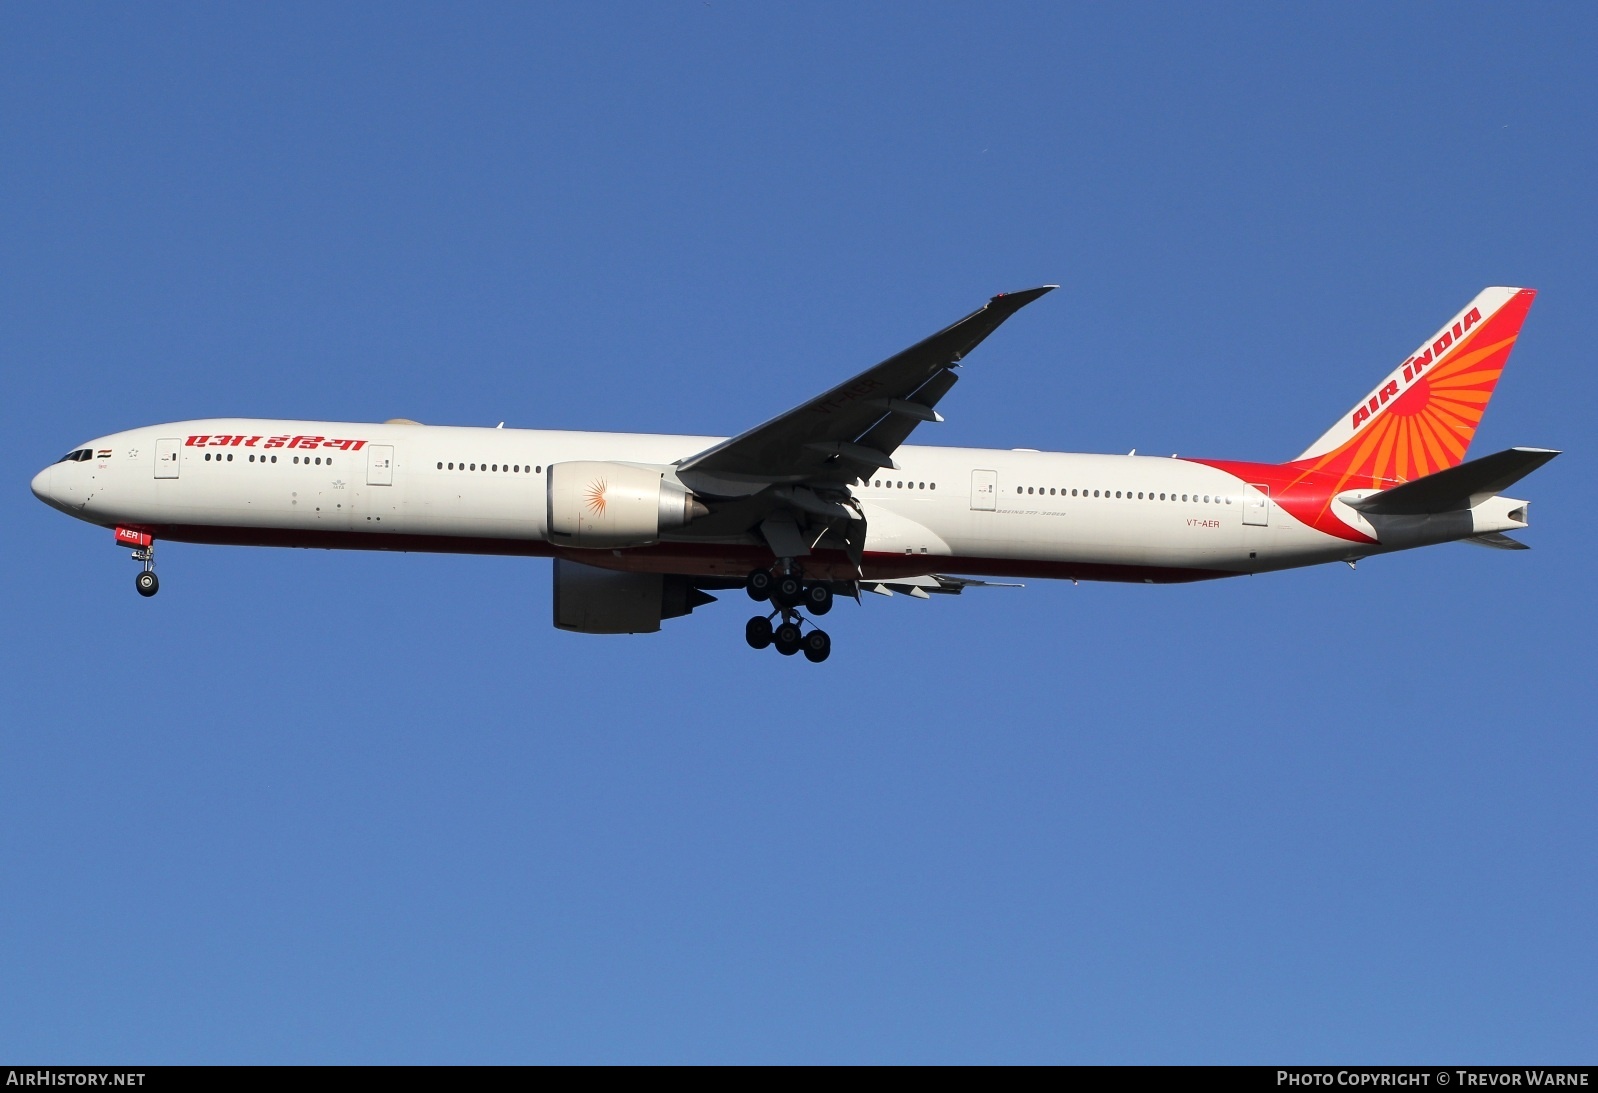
column 1420, row 419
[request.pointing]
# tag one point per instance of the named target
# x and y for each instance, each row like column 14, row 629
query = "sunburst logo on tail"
column 596, row 496
column 1423, row 416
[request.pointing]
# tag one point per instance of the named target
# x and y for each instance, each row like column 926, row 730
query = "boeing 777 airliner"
column 827, row 499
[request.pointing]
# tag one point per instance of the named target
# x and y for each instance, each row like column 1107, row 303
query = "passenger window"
column 230, row 457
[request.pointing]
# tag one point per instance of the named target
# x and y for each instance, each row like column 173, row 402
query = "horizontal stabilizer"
column 1458, row 487
column 1498, row 541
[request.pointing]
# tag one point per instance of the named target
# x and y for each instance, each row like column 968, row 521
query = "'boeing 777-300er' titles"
column 827, row 499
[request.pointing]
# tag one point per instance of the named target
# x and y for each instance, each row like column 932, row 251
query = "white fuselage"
column 472, row 490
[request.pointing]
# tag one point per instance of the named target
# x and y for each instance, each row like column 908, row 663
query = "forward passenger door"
column 168, row 456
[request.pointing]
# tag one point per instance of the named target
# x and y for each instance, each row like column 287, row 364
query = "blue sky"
column 320, row 807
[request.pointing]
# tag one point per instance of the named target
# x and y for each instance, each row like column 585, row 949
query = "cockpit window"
column 78, row 456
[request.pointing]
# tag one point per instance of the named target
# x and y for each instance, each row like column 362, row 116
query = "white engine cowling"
column 589, row 600
column 614, row 504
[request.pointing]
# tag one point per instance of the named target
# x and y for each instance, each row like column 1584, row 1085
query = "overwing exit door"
column 984, row 490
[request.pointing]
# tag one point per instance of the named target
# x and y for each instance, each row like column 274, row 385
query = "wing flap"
column 928, row 585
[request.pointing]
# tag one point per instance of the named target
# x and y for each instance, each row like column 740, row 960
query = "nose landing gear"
column 788, row 592
column 144, row 552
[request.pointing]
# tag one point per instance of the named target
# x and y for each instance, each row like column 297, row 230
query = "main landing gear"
column 789, row 593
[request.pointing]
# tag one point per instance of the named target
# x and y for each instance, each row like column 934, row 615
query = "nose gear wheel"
column 146, row 582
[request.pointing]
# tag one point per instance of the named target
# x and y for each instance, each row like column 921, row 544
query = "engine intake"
column 594, row 504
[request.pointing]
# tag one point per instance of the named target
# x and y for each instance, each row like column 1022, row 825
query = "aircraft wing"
column 851, row 431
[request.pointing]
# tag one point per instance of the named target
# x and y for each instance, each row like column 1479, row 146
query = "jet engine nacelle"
column 589, row 600
column 614, row 504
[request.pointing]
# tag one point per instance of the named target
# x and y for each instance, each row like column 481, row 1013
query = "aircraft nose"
column 41, row 485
